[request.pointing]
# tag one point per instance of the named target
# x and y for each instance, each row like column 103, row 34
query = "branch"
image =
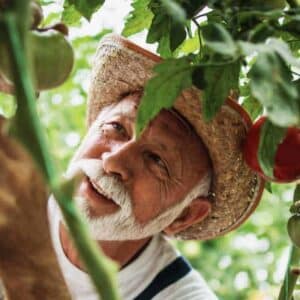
column 30, row 130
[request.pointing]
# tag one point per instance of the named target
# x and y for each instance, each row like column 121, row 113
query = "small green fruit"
column 52, row 57
column 293, row 228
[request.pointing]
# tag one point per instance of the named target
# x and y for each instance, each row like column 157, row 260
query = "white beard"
column 122, row 225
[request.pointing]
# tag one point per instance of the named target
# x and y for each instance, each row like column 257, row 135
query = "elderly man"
column 183, row 178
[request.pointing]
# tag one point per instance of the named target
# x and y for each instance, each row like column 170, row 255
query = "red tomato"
column 287, row 158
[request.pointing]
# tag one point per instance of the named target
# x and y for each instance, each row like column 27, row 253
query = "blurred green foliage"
column 248, row 263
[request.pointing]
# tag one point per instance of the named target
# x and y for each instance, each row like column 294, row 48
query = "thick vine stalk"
column 290, row 278
column 29, row 130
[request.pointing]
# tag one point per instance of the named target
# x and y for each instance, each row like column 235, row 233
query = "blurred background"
column 248, row 263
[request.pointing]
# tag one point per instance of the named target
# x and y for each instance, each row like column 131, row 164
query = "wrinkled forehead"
column 168, row 120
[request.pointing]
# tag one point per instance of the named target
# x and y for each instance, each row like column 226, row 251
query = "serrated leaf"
column 270, row 137
column 139, row 18
column 220, row 80
column 86, row 7
column 271, row 85
column 175, row 11
column 172, row 76
column 219, row 39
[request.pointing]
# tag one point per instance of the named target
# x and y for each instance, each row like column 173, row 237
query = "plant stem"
column 290, row 278
column 29, row 129
column 199, row 36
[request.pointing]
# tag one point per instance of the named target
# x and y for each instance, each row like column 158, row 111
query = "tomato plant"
column 246, row 48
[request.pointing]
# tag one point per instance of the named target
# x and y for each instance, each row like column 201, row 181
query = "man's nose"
column 118, row 162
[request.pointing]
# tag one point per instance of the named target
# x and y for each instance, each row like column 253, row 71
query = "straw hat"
column 121, row 66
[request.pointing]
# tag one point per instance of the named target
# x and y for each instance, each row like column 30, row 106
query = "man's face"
column 150, row 176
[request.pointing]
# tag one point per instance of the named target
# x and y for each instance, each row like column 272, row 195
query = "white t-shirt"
column 158, row 273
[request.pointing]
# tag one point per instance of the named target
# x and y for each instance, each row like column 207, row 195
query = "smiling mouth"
column 95, row 193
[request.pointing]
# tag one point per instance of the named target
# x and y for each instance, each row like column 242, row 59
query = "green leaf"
column 159, row 27
column 268, row 187
column 139, row 18
column 172, row 76
column 177, row 36
column 164, row 48
column 86, row 7
column 193, row 7
column 219, row 39
column 198, row 78
column 261, row 32
column 271, row 85
column 292, row 27
column 220, row 80
column 284, row 51
column 175, row 11
column 190, row 45
column 270, row 137
column 71, row 16
column 253, row 107
column 297, row 193
column 160, row 32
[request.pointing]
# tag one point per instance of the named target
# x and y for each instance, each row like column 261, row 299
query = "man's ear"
column 197, row 211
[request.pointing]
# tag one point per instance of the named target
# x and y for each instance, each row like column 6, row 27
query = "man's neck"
column 122, row 252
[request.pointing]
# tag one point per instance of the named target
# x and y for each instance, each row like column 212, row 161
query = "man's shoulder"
column 175, row 278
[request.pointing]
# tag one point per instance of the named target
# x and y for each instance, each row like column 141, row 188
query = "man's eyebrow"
column 124, row 115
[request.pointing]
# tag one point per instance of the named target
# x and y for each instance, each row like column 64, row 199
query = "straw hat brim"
column 120, row 67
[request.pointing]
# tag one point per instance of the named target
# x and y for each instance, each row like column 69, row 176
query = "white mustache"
column 107, row 185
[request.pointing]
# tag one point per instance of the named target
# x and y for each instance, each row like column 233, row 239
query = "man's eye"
column 156, row 159
column 118, row 127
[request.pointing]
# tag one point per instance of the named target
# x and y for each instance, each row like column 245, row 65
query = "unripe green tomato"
column 293, row 228
column 52, row 57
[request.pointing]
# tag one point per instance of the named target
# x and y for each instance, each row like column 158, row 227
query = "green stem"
column 29, row 129
column 199, row 36
column 290, row 278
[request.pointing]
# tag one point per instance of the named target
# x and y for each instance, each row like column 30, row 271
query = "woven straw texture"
column 121, row 67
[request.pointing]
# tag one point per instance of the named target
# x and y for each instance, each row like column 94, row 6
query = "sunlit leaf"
column 172, row 76
column 139, row 18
